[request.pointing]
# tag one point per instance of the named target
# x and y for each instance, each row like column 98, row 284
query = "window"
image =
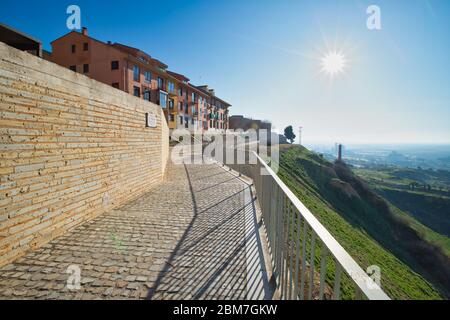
column 136, row 91
column 74, row 48
column 171, row 86
column 172, row 117
column 115, row 85
column 114, row 65
column 136, row 73
column 147, row 95
column 180, row 92
column 186, row 107
column 85, row 46
column 148, row 76
column 180, row 106
column 163, row 100
column 193, row 97
column 73, row 68
column 85, row 68
column 161, row 83
column 147, row 124
column 181, row 119
column 171, row 103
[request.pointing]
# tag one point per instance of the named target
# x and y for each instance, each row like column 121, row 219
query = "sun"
column 333, row 63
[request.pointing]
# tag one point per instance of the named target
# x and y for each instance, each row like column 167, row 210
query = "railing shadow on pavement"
column 219, row 254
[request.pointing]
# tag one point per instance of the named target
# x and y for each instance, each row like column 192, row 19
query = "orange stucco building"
column 136, row 72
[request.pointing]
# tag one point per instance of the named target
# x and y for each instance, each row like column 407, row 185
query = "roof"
column 136, row 51
column 19, row 40
column 198, row 89
column 178, row 76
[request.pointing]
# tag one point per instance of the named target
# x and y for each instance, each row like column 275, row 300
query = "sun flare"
column 333, row 63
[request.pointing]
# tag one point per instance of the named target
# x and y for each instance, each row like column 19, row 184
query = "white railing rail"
column 300, row 244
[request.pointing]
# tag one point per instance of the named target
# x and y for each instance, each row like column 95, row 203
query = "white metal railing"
column 300, row 244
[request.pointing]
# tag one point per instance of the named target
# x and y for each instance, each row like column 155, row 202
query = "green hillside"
column 422, row 194
column 371, row 229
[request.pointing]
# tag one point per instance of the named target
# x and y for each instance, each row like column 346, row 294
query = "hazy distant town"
column 436, row 157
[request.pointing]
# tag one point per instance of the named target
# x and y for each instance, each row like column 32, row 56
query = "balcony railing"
column 173, row 93
column 307, row 262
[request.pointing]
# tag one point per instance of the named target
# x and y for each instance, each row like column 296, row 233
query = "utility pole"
column 300, row 135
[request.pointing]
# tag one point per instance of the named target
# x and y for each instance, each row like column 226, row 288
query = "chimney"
column 84, row 31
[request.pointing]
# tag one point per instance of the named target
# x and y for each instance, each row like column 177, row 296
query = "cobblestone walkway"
column 186, row 239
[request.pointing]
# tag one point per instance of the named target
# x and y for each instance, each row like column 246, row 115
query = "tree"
column 289, row 134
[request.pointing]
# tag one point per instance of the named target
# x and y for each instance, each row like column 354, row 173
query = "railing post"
column 337, row 281
column 291, row 250
column 282, row 247
column 273, row 220
column 311, row 266
column 297, row 256
column 286, row 250
column 280, row 241
column 323, row 270
column 302, row 277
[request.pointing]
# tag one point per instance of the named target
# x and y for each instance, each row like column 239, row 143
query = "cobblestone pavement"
column 186, row 239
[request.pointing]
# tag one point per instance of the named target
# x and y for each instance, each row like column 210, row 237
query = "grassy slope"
column 414, row 206
column 306, row 174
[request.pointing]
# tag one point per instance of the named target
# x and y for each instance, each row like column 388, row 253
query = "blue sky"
column 264, row 58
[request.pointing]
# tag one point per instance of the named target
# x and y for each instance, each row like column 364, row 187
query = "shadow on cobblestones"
column 209, row 259
column 195, row 236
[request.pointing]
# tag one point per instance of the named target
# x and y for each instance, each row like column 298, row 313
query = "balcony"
column 172, row 94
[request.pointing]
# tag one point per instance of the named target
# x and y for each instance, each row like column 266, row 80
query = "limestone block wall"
column 71, row 148
column 165, row 143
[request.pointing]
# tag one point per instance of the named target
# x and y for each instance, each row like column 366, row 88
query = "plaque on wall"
column 150, row 120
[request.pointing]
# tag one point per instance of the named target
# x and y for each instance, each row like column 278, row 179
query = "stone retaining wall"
column 71, row 148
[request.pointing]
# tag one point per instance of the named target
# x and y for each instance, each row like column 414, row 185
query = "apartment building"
column 217, row 115
column 136, row 72
column 190, row 104
column 20, row 40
